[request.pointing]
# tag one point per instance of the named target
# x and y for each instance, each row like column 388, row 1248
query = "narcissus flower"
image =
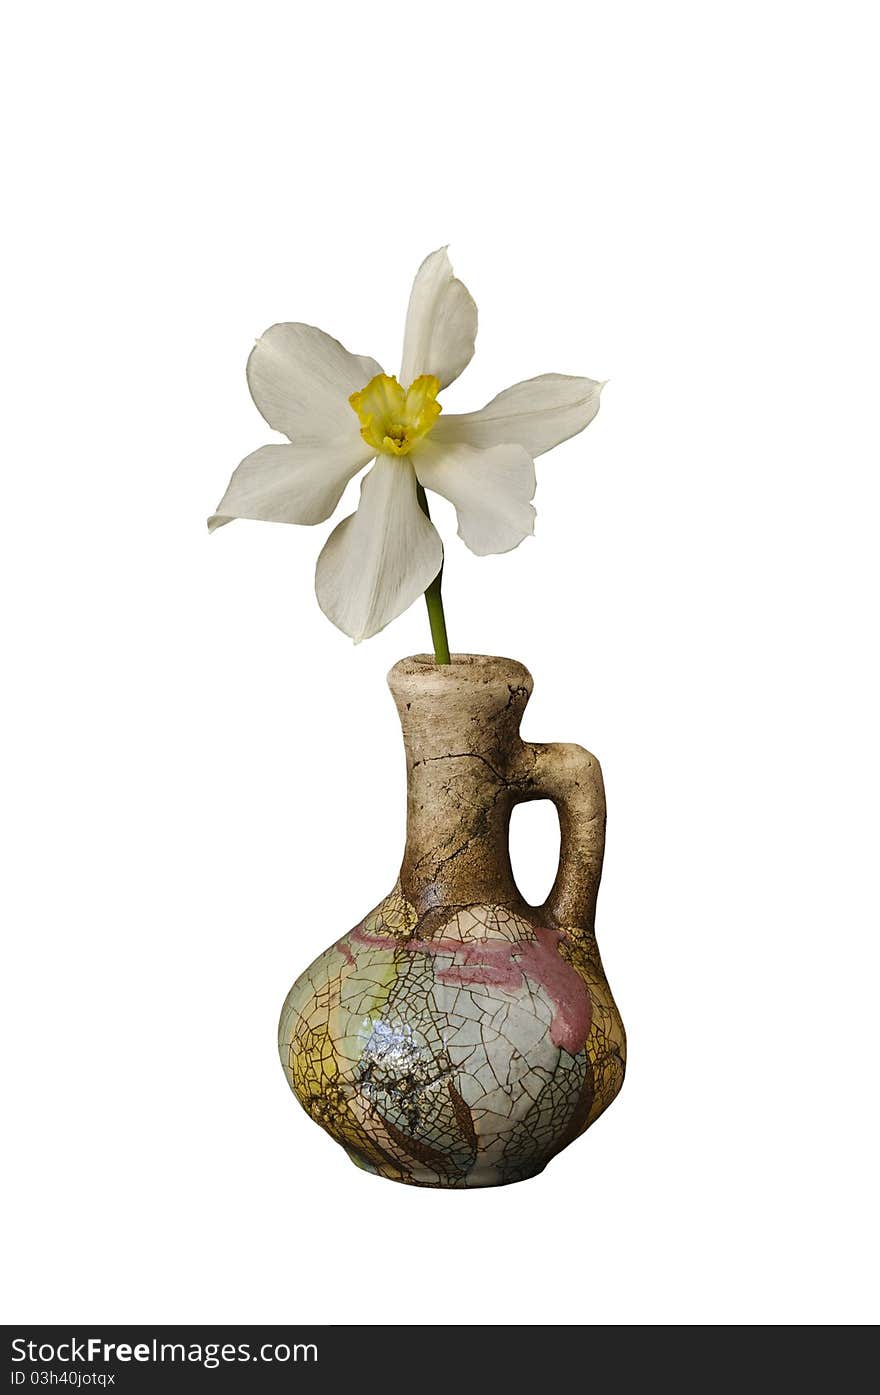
column 340, row 412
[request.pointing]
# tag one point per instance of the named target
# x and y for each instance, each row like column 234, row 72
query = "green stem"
column 434, row 601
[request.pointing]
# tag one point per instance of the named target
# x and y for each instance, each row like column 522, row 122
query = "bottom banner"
column 140, row 1358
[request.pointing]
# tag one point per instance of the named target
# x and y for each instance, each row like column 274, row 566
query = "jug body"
column 458, row 1037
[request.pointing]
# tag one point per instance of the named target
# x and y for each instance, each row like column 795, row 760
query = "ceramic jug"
column 459, row 1037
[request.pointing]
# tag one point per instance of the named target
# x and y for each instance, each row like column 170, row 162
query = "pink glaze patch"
column 478, row 961
column 501, row 964
column 564, row 986
column 344, row 949
column 363, row 937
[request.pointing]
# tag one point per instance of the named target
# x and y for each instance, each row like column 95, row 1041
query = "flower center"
column 392, row 421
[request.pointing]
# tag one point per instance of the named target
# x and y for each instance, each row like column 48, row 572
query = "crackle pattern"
column 463, row 1057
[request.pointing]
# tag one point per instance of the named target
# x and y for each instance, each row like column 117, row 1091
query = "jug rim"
column 422, row 672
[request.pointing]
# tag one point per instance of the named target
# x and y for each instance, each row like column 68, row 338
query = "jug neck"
column 460, row 726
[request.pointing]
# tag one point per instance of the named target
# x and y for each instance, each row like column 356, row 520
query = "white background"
column 203, row 780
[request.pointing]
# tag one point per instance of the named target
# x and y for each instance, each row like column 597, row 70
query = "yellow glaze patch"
column 392, row 421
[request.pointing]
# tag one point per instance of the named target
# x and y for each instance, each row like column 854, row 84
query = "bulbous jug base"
column 463, row 1048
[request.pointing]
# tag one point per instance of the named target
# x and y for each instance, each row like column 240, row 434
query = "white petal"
column 291, row 484
column 301, row 381
column 490, row 489
column 382, row 558
column 537, row 414
column 441, row 323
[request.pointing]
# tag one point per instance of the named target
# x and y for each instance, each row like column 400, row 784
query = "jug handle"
column 571, row 778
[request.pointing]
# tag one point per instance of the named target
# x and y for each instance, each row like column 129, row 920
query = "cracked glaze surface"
column 458, row 1037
